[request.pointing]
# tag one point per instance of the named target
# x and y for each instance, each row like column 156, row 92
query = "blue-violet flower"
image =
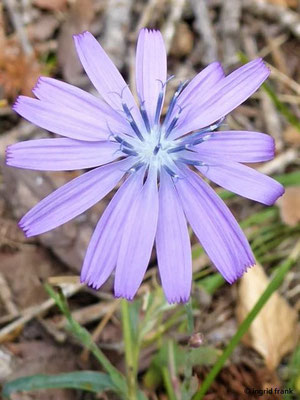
column 156, row 158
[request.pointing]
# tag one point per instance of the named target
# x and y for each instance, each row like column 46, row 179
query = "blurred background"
column 35, row 40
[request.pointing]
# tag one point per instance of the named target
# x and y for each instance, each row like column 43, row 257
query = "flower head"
column 160, row 192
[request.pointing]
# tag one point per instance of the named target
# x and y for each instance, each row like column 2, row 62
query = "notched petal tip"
column 20, row 100
column 125, row 296
column 8, row 155
column 264, row 67
column 17, row 103
column 25, row 229
column 239, row 274
column 37, row 84
column 149, row 31
column 178, row 299
column 81, row 35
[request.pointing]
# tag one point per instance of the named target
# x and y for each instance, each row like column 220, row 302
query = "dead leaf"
column 41, row 357
column 273, row 333
column 18, row 71
column 43, row 28
column 292, row 135
column 289, row 205
column 183, row 41
column 52, row 5
column 284, row 3
column 24, row 272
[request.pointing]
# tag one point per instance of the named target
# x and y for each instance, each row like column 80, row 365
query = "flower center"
column 153, row 146
column 154, row 149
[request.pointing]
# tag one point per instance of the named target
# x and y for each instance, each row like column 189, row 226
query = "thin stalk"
column 190, row 318
column 188, row 368
column 130, row 353
column 168, row 383
column 270, row 289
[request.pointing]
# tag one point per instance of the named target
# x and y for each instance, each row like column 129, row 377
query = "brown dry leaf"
column 41, row 357
column 292, row 135
column 78, row 20
column 273, row 333
column 24, row 272
column 18, row 71
column 289, row 205
column 284, row 3
column 53, row 5
column 183, row 41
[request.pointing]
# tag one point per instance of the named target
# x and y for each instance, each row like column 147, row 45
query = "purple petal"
column 243, row 180
column 137, row 240
column 104, row 74
column 215, row 227
column 226, row 95
column 202, row 83
column 61, row 154
column 63, row 121
column 173, row 245
column 73, row 198
column 151, row 69
column 241, row 146
column 102, row 252
column 70, row 97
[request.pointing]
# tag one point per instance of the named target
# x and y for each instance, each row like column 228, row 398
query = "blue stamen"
column 122, row 141
column 160, row 100
column 173, row 101
column 156, row 149
column 191, row 162
column 145, row 117
column 178, row 148
column 173, row 123
column 136, row 167
column 199, row 136
column 170, row 172
column 128, row 151
column 158, row 107
column 200, row 140
column 132, row 121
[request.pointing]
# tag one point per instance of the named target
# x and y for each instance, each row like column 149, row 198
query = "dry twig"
column 205, row 29
column 170, row 25
column 32, row 312
column 17, row 22
column 230, row 25
column 117, row 22
column 283, row 15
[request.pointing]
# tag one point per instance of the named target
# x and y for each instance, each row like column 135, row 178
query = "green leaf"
column 84, row 337
column 294, row 374
column 84, row 380
column 211, row 283
column 274, row 284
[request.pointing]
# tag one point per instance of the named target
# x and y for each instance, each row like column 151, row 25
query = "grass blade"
column 84, row 380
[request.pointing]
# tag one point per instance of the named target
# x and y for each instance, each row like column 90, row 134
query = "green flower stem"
column 168, row 383
column 188, row 368
column 270, row 289
column 190, row 318
column 130, row 352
